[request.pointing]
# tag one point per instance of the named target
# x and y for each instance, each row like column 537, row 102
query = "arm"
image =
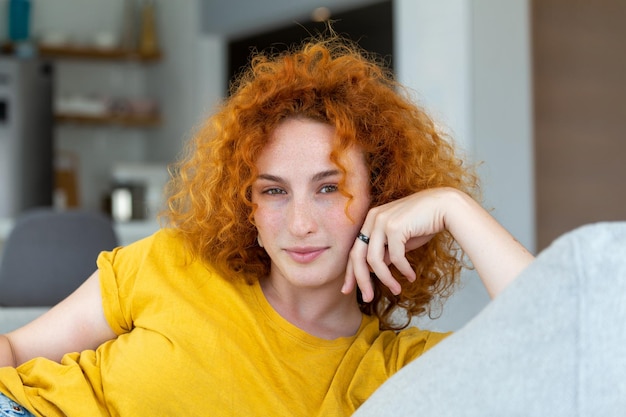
column 75, row 324
column 408, row 223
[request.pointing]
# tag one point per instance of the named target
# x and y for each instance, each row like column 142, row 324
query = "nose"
column 302, row 219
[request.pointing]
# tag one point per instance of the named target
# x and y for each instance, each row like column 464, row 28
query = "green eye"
column 329, row 189
column 274, row 191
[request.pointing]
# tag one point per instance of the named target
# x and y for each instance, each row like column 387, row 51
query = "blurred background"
column 96, row 98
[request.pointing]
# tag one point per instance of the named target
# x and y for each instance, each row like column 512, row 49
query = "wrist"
column 458, row 209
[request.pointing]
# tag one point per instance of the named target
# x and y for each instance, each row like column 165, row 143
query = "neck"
column 322, row 312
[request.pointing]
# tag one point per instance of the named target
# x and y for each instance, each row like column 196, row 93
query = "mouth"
column 305, row 255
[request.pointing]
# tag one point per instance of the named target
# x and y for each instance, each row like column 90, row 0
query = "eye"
column 274, row 191
column 331, row 188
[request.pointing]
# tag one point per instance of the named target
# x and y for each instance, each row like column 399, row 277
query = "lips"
column 305, row 255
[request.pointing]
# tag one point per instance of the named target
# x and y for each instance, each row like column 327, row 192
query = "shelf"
column 128, row 121
column 87, row 52
column 80, row 52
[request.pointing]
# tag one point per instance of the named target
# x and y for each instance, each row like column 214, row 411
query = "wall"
column 176, row 79
column 502, row 111
column 580, row 84
column 469, row 63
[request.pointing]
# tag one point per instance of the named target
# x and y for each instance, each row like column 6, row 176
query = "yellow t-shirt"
column 192, row 343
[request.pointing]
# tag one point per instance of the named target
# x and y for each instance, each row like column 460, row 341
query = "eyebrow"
column 317, row 177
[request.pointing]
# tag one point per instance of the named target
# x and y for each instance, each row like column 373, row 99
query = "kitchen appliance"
column 128, row 202
column 137, row 192
column 26, row 134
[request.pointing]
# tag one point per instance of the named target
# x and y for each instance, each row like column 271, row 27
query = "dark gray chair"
column 48, row 254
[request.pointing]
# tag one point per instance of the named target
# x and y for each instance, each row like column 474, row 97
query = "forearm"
column 497, row 256
column 7, row 354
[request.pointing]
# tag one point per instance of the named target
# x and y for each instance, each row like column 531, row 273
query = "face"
column 301, row 215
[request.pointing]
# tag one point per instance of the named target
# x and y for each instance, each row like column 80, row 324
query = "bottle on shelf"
column 19, row 28
column 148, row 41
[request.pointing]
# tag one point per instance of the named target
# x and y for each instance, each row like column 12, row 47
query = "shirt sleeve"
column 413, row 343
column 118, row 271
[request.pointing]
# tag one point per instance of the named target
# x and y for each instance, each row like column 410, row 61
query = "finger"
column 416, row 242
column 359, row 256
column 396, row 254
column 361, row 271
column 349, row 280
column 376, row 260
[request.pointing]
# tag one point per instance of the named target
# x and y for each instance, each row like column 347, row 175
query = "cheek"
column 359, row 211
column 347, row 226
column 360, row 207
column 267, row 221
column 360, row 204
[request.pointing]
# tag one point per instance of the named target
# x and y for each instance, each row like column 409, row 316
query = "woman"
column 314, row 178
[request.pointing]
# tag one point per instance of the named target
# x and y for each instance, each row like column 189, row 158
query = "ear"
column 259, row 241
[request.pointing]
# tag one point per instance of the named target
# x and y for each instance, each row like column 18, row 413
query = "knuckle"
column 371, row 259
column 396, row 258
column 393, row 226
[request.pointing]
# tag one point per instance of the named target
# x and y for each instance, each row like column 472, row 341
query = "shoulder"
column 137, row 280
column 398, row 347
column 161, row 259
column 164, row 244
column 379, row 354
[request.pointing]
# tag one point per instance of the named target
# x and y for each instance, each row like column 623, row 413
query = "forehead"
column 300, row 144
column 296, row 137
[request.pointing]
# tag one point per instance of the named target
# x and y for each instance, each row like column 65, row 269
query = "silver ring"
column 363, row 238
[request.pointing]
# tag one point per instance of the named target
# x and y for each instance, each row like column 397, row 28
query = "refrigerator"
column 26, row 135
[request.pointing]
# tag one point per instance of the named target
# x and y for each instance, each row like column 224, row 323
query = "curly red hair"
column 334, row 81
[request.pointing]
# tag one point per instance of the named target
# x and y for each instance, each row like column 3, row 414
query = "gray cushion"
column 49, row 253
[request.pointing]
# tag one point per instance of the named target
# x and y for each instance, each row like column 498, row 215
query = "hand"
column 395, row 229
column 408, row 223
